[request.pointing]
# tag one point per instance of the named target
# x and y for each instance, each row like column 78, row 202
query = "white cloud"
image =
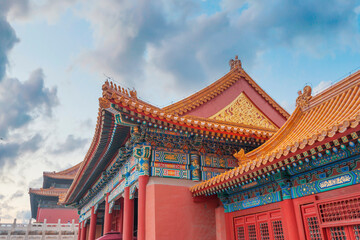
column 321, row 87
column 192, row 49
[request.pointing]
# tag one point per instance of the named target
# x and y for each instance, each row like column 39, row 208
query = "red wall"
column 171, row 212
column 220, row 222
column 53, row 214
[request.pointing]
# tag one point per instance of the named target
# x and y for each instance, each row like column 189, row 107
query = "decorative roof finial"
column 304, row 97
column 234, row 63
column 240, row 156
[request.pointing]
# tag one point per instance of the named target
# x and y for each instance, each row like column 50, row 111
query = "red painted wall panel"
column 225, row 98
column 53, row 214
column 220, row 223
column 171, row 213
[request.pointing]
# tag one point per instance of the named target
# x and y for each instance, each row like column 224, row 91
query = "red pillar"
column 143, row 180
column 92, row 230
column 38, row 215
column 83, row 232
column 79, row 231
column 289, row 219
column 229, row 226
column 121, row 216
column 107, row 216
column 128, row 215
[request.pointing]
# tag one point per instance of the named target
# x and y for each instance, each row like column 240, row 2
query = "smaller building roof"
column 49, row 192
column 69, row 173
column 315, row 119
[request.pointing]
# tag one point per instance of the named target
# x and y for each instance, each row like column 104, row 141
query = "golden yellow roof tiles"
column 111, row 94
column 334, row 110
column 51, row 192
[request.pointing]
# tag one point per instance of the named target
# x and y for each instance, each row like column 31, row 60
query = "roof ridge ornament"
column 235, row 63
column 304, row 97
column 127, row 92
column 240, row 156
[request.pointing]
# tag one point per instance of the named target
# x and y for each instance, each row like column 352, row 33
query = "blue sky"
column 54, row 56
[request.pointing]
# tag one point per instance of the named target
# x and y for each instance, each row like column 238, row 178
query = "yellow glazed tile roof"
column 69, row 173
column 315, row 118
column 115, row 94
column 51, row 192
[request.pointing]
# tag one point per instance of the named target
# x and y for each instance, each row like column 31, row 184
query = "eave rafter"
column 252, row 171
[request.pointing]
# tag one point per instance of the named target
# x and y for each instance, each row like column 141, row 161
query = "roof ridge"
column 111, row 94
column 267, row 97
column 216, row 88
column 334, row 90
column 64, row 172
column 306, row 105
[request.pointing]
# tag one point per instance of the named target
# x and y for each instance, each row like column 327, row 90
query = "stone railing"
column 38, row 231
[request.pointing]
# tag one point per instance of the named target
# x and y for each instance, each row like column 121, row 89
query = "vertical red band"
column 92, row 230
column 38, row 215
column 83, row 232
column 121, row 216
column 143, row 180
column 79, row 231
column 107, row 216
column 128, row 215
column 289, row 219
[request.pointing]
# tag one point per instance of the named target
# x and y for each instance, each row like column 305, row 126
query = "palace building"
column 44, row 201
column 227, row 162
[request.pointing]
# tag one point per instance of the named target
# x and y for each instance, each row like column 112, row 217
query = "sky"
column 55, row 55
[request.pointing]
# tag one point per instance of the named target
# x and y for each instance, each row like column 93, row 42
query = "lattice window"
column 356, row 232
column 314, row 228
column 342, row 210
column 240, row 233
column 337, row 233
column 264, row 231
column 278, row 230
column 252, row 232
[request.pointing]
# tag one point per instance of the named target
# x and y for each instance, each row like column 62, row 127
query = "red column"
column 121, row 216
column 143, row 180
column 92, row 230
column 229, row 227
column 107, row 216
column 79, row 231
column 128, row 215
column 38, row 215
column 83, row 232
column 289, row 219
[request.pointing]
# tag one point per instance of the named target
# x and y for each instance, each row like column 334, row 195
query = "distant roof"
column 50, row 192
column 315, row 119
column 65, row 174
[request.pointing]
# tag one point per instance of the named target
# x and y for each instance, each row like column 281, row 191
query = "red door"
column 311, row 222
column 263, row 226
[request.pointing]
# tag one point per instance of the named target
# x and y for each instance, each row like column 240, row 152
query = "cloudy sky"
column 55, row 55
